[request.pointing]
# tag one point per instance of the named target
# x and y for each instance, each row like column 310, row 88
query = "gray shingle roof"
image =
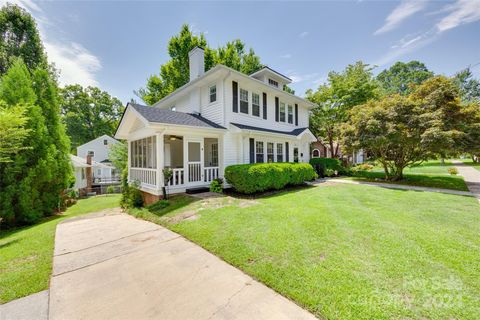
column 294, row 132
column 174, row 117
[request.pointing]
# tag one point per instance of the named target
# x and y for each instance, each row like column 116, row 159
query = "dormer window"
column 213, row 93
column 273, row 83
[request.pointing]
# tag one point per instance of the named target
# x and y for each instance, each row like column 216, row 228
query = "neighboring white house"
column 80, row 166
column 99, row 149
column 220, row 118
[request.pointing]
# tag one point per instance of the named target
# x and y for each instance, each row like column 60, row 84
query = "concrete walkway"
column 113, row 266
column 32, row 307
column 471, row 177
column 393, row 186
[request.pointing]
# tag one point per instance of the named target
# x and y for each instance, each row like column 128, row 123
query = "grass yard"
column 432, row 174
column 26, row 253
column 351, row 251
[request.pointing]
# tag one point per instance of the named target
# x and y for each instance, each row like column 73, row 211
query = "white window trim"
column 209, row 93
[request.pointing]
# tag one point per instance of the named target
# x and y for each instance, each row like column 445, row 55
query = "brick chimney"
column 89, row 174
column 196, row 59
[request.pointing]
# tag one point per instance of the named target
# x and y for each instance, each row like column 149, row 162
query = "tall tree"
column 175, row 72
column 343, row 90
column 469, row 87
column 118, row 155
column 403, row 77
column 19, row 37
column 12, row 131
column 23, row 179
column 89, row 113
column 399, row 131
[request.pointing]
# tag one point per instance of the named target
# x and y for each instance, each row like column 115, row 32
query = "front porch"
column 194, row 161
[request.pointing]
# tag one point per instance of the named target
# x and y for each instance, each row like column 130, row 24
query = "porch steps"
column 196, row 190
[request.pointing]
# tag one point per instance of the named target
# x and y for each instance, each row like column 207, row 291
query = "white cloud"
column 75, row 63
column 403, row 11
column 461, row 12
column 286, row 56
column 296, row 77
column 303, row 34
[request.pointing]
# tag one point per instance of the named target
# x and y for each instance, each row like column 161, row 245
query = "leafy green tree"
column 58, row 143
column 403, row 77
column 175, row 73
column 469, row 87
column 19, row 37
column 89, row 113
column 118, row 155
column 471, row 143
column 12, row 131
column 343, row 90
column 399, row 131
column 23, row 179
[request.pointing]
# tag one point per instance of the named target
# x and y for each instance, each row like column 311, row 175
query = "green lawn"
column 432, row 174
column 352, row 251
column 26, row 253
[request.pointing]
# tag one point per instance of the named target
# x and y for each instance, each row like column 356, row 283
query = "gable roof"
column 267, row 68
column 226, row 70
column 294, row 132
column 156, row 115
column 79, row 162
column 98, row 138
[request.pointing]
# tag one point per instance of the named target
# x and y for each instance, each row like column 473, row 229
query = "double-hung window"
column 282, row 112
column 259, row 151
column 279, row 152
column 255, row 104
column 270, row 152
column 213, row 93
column 243, row 101
column 290, row 113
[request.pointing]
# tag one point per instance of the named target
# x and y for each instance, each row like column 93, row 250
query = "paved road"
column 471, row 177
column 113, row 266
column 32, row 307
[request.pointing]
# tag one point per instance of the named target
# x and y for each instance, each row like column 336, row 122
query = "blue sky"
column 117, row 45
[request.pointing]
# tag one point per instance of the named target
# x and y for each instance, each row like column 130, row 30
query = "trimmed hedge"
column 328, row 163
column 259, row 177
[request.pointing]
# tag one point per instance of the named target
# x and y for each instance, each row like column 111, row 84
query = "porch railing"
column 144, row 176
column 178, row 177
column 194, row 171
column 210, row 173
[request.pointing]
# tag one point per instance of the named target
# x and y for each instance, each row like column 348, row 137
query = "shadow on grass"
column 266, row 194
column 10, row 231
column 419, row 180
column 162, row 207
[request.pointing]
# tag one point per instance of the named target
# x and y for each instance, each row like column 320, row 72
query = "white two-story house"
column 219, row 118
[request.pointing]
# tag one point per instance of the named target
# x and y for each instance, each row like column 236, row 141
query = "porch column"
column 221, row 164
column 129, row 163
column 160, row 159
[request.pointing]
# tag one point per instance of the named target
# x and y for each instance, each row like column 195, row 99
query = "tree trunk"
column 442, row 161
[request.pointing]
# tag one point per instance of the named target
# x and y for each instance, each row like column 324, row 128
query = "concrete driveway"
column 110, row 265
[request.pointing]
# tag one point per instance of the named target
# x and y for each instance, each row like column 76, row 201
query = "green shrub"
column 131, row 195
column 453, row 171
column 329, row 173
column 323, row 164
column 158, row 206
column 110, row 189
column 251, row 178
column 216, row 185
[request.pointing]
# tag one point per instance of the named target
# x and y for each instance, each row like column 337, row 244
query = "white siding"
column 213, row 111
column 255, row 121
column 231, row 149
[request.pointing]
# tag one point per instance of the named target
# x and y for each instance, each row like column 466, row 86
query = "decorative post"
column 160, row 159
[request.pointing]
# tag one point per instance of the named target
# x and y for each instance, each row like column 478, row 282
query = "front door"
column 195, row 161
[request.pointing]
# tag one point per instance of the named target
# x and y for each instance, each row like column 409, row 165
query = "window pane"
column 244, row 101
column 259, row 151
column 279, row 152
column 290, row 114
column 255, row 104
column 213, row 93
column 282, row 112
column 270, row 152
